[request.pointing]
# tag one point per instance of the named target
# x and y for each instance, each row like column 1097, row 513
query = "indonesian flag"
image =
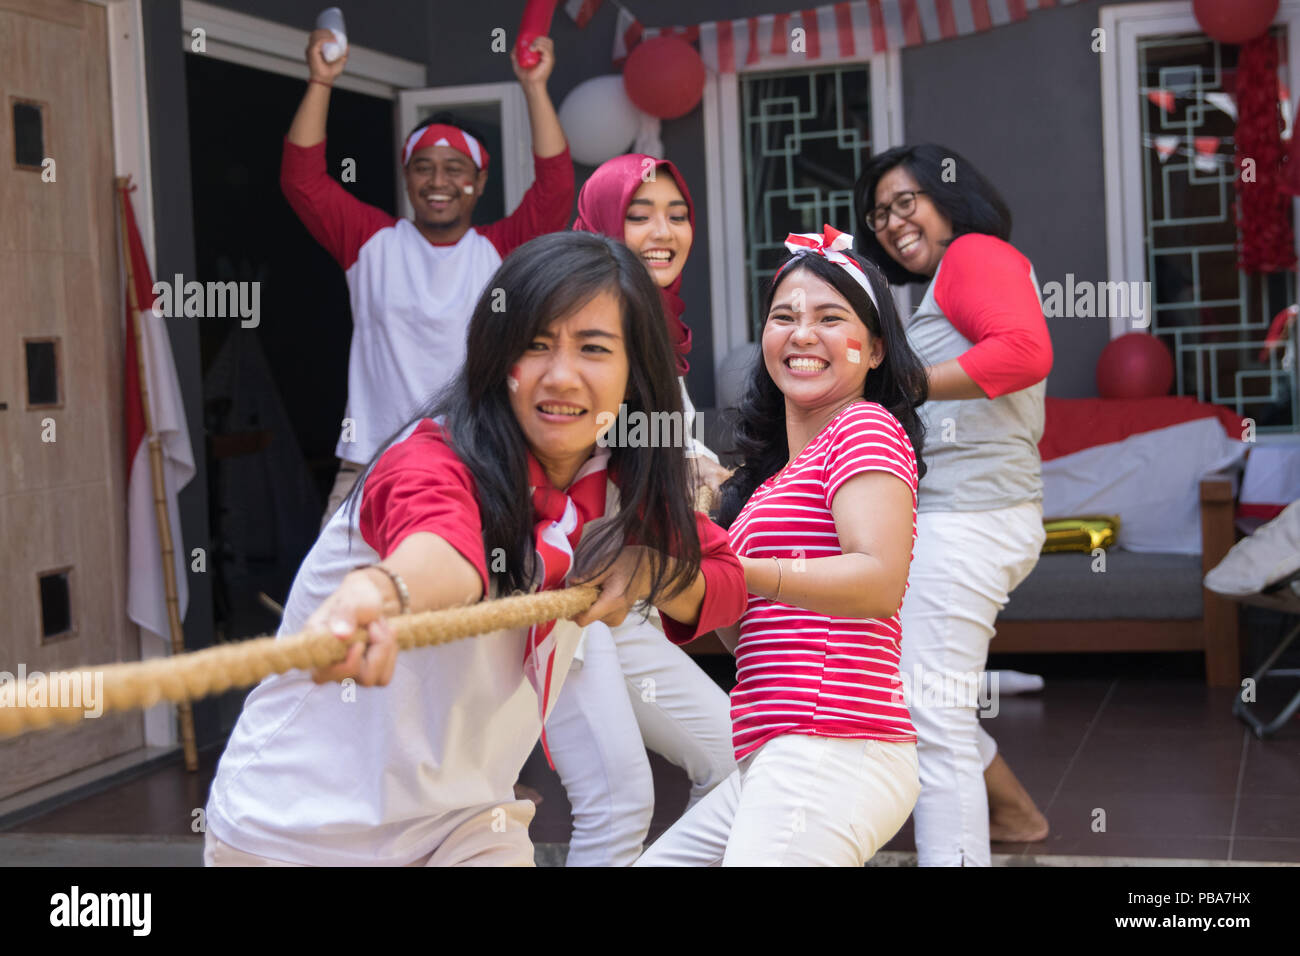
column 146, row 592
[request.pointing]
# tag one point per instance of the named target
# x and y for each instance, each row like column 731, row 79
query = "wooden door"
column 62, row 477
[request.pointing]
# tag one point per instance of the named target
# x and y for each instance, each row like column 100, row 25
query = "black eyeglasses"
column 903, row 205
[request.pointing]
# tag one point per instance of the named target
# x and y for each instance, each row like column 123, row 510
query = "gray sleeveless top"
column 981, row 453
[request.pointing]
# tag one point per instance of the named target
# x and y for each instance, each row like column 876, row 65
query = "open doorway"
column 274, row 394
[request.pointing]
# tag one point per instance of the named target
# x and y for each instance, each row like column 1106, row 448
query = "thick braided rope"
column 141, row 684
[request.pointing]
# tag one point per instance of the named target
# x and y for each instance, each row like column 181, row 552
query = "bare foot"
column 1013, row 815
column 1017, row 825
column 527, row 793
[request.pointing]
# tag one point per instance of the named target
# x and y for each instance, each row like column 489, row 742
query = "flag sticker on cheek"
column 513, row 378
column 855, row 351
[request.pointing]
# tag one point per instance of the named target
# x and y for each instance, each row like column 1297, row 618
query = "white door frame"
column 1122, row 148
column 724, row 180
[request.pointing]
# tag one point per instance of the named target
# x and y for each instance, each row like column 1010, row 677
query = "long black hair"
column 899, row 383
column 543, row 280
column 956, row 188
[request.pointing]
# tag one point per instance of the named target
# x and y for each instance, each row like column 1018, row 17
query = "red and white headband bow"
column 441, row 134
column 828, row 245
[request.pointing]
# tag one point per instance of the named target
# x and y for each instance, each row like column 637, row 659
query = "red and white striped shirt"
column 801, row 672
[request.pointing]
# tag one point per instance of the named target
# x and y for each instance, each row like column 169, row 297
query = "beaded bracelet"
column 403, row 595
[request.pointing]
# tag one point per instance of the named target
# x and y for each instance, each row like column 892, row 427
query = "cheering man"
column 413, row 283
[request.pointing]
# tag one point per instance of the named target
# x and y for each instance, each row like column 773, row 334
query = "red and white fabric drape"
column 830, row 32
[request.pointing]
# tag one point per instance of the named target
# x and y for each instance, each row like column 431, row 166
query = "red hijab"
column 602, row 208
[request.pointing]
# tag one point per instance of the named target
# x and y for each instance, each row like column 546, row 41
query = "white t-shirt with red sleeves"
column 411, row 299
column 333, row 776
column 800, row 672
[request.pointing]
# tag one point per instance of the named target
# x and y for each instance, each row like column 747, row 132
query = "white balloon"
column 599, row 120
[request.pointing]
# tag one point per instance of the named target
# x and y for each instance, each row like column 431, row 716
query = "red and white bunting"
column 837, row 31
column 1206, row 157
column 1163, row 99
column 1165, row 146
column 581, row 10
column 1223, row 101
column 627, row 34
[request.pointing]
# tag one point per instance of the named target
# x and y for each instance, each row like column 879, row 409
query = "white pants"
column 798, row 800
column 633, row 690
column 964, row 567
column 492, row 835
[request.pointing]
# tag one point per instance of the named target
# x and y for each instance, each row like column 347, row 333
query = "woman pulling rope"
column 498, row 485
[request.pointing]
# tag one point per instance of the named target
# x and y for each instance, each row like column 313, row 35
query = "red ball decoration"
column 1135, row 365
column 664, row 77
column 1234, row 21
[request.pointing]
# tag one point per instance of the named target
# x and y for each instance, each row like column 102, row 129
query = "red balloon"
column 664, row 77
column 1135, row 365
column 1234, row 21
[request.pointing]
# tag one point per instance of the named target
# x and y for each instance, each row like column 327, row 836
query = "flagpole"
column 159, row 488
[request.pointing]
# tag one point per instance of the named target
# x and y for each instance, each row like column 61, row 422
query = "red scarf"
column 560, row 517
column 602, row 208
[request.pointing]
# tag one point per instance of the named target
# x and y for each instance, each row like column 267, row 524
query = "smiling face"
column 572, row 372
column 917, row 242
column 818, row 357
column 658, row 228
column 437, row 178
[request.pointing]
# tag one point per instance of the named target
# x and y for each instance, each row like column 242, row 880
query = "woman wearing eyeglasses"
column 930, row 216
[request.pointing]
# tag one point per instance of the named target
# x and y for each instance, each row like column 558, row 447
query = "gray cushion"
column 1063, row 587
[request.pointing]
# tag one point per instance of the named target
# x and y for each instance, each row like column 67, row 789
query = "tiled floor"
column 1149, row 768
column 1123, row 767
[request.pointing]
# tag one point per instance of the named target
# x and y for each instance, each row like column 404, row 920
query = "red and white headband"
column 441, row 134
column 828, row 246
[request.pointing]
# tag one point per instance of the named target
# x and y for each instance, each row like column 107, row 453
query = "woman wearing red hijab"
column 632, row 688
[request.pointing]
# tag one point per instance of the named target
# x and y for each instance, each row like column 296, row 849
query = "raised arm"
column 548, row 137
column 335, row 218
column 308, row 127
column 548, row 202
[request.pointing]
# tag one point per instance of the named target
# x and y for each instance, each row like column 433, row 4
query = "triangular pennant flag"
column 1163, row 99
column 1224, row 102
column 627, row 34
column 1165, row 146
column 1206, row 158
column 581, row 10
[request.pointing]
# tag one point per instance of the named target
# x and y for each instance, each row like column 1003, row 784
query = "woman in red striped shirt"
column 822, row 515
